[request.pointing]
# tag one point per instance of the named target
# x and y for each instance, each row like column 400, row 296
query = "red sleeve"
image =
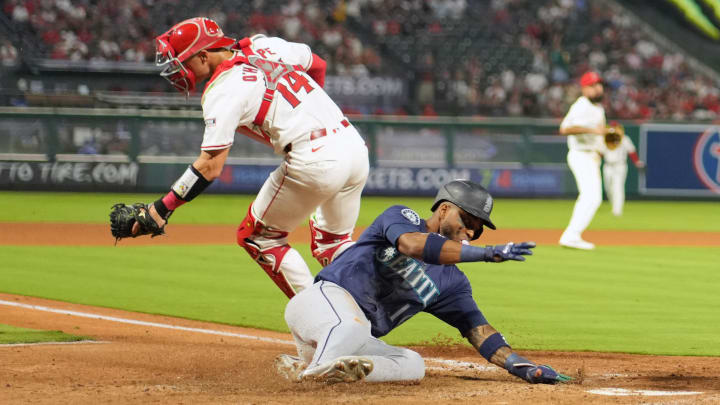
column 634, row 157
column 317, row 69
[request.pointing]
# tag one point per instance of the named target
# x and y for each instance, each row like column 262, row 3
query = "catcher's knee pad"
column 253, row 228
column 248, row 227
column 326, row 246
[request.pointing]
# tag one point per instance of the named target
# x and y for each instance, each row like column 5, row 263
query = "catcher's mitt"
column 123, row 217
column 613, row 135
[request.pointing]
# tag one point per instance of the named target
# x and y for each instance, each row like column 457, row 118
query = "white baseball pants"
column 327, row 323
column 614, row 175
column 325, row 175
column 585, row 166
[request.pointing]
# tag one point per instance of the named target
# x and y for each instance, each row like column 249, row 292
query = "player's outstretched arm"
column 492, row 346
column 434, row 248
column 137, row 220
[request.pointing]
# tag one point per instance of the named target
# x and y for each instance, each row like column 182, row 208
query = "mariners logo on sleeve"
column 411, row 216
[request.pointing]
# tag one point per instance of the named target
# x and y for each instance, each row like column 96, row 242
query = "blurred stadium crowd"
column 459, row 57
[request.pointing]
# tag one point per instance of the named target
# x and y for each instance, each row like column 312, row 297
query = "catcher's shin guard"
column 326, row 246
column 268, row 258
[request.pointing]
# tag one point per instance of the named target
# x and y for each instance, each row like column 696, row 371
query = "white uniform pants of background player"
column 327, row 323
column 326, row 175
column 585, row 166
column 614, row 175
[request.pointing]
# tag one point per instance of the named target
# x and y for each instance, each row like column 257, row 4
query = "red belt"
column 319, row 133
column 323, row 132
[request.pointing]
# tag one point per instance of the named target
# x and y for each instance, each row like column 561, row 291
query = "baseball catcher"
column 270, row 90
column 614, row 135
column 130, row 221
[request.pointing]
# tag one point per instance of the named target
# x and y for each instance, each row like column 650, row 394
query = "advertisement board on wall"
column 682, row 160
column 157, row 177
column 70, row 176
column 508, row 181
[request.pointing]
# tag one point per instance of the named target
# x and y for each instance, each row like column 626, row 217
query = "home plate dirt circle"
column 622, row 392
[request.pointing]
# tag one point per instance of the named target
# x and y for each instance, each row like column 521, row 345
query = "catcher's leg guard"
column 268, row 258
column 326, row 246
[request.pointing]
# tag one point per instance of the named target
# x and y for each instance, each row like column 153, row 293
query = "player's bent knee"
column 355, row 329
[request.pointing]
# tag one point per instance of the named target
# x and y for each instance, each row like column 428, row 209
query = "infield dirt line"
column 68, row 234
column 76, row 342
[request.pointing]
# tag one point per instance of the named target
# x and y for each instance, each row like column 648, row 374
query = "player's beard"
column 449, row 232
column 446, row 231
column 598, row 98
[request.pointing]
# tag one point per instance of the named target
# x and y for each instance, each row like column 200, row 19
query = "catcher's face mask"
column 180, row 43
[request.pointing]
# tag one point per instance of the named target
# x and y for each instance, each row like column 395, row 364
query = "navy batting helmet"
column 471, row 197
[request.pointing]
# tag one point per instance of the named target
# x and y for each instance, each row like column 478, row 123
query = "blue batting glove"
column 545, row 375
column 509, row 251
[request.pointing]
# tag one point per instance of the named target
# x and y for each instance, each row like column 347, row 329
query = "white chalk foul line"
column 143, row 323
column 452, row 364
column 456, row 364
column 622, row 392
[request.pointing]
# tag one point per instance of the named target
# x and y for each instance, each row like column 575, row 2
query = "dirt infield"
column 140, row 358
column 146, row 363
column 99, row 235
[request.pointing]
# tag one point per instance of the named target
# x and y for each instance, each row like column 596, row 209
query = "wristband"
column 166, row 205
column 172, row 201
column 162, row 209
column 433, row 247
column 491, row 345
column 190, row 184
column 469, row 253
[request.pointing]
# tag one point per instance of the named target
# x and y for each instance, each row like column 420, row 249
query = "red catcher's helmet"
column 181, row 42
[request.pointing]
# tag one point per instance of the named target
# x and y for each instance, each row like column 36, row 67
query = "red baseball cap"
column 590, row 78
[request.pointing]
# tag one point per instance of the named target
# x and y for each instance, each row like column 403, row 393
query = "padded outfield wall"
column 146, row 150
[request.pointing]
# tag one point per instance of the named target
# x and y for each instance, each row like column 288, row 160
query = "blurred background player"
column 615, row 169
column 269, row 90
column 402, row 265
column 584, row 125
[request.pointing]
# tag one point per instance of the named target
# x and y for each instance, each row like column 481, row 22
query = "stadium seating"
column 458, row 57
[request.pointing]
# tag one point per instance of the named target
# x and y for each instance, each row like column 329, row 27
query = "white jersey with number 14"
column 232, row 100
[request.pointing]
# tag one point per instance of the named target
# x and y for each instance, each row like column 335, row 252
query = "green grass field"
column 12, row 334
column 655, row 300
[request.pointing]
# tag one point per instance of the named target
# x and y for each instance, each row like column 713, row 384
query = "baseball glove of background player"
column 613, row 135
column 123, row 217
